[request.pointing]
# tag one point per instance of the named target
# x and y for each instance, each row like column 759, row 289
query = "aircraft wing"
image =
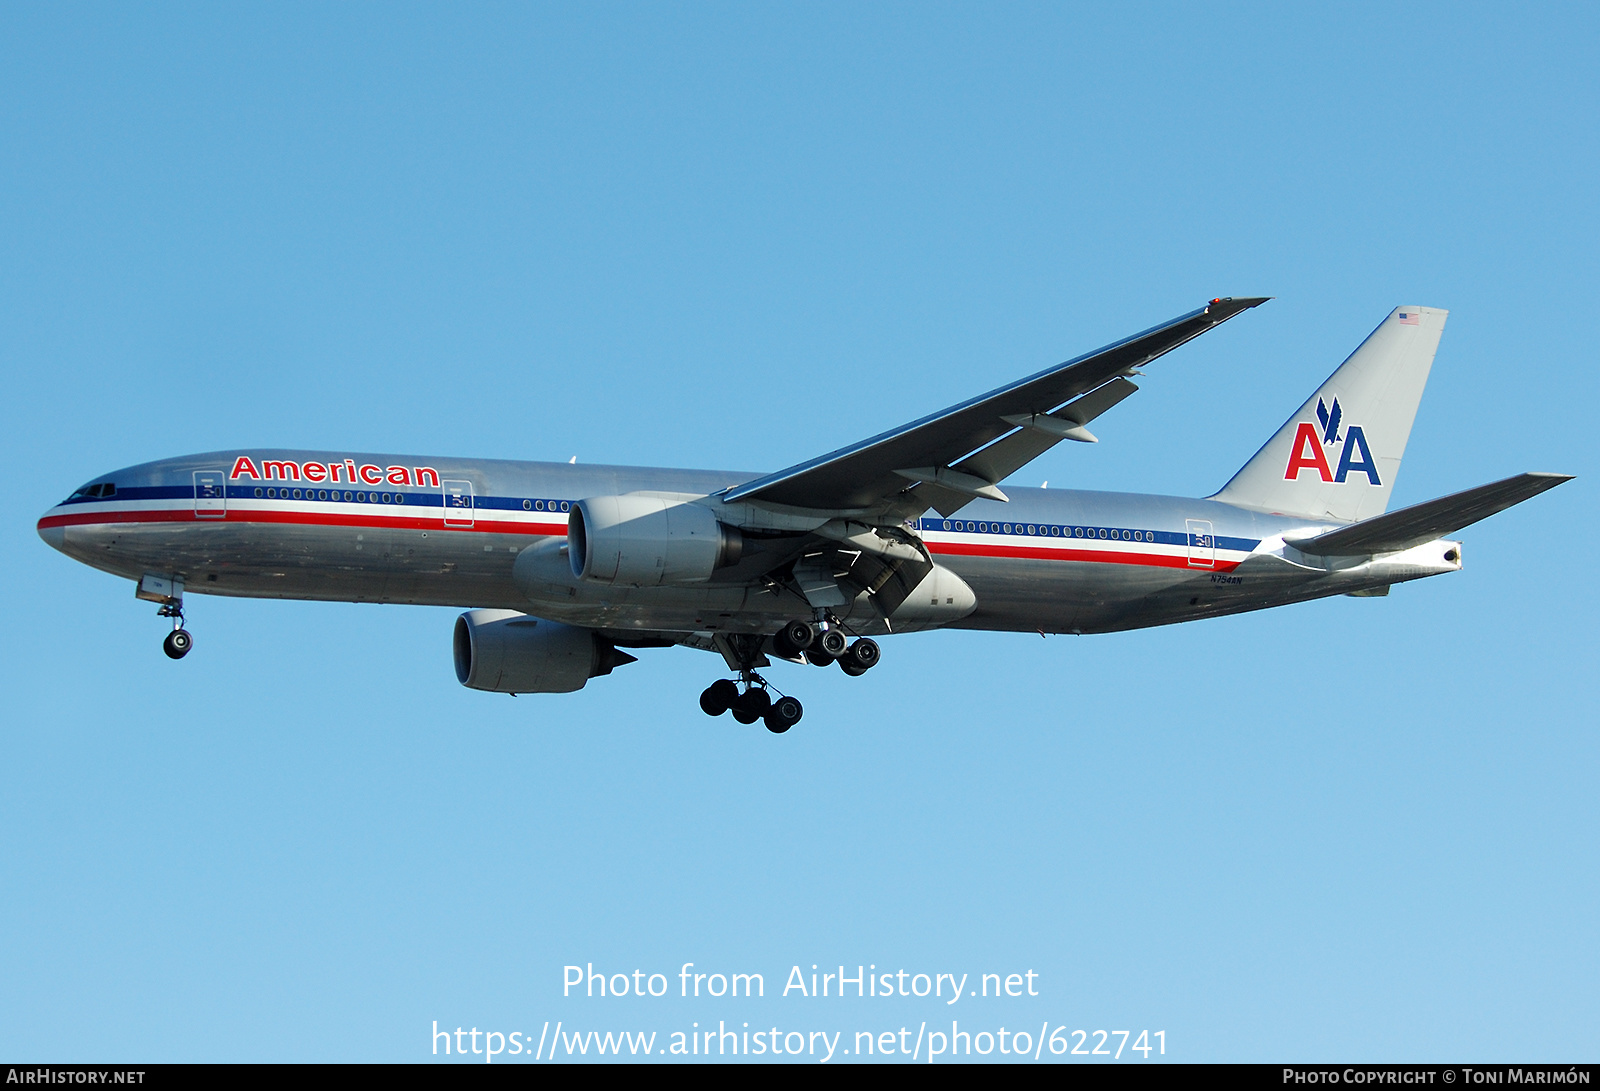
column 946, row 459
column 1397, row 530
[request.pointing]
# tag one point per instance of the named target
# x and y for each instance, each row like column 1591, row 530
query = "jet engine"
column 506, row 652
column 648, row 540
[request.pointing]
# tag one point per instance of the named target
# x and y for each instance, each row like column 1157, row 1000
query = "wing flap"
column 1397, row 530
column 1042, row 431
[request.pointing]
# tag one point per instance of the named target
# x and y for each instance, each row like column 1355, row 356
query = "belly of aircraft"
column 1016, row 595
column 266, row 560
column 444, row 567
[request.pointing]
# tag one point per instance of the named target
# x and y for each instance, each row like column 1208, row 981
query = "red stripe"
column 1154, row 560
column 301, row 518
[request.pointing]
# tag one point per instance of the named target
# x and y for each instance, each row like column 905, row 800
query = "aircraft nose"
column 54, row 536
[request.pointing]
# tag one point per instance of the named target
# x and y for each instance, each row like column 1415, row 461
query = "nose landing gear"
column 167, row 591
column 178, row 642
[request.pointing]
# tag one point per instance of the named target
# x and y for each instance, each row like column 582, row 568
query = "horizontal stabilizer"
column 1432, row 519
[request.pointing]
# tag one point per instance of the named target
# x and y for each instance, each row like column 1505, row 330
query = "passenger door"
column 1202, row 544
column 458, row 506
column 210, row 494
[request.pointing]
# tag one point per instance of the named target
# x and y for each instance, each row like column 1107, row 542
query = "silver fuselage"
column 481, row 533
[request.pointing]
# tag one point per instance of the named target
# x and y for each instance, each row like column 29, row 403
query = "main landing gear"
column 820, row 643
column 824, row 643
column 755, row 703
column 179, row 641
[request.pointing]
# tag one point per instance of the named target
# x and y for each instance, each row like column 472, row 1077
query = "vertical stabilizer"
column 1336, row 459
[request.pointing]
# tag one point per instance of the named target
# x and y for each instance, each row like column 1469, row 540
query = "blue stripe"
column 552, row 506
column 1083, row 533
column 537, row 505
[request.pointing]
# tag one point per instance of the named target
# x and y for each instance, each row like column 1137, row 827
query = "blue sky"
column 739, row 236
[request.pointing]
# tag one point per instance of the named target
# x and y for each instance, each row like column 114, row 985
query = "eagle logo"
column 1330, row 421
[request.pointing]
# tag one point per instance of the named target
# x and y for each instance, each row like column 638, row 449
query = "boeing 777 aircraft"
column 565, row 566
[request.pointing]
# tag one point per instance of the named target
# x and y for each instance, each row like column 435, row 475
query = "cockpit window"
column 100, row 490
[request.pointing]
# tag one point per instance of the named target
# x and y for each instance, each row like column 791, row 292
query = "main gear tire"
column 793, row 639
column 718, row 697
column 752, row 706
column 784, row 714
column 831, row 644
column 863, row 655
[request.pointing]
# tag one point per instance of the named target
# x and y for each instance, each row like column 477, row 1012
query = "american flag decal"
column 1409, row 318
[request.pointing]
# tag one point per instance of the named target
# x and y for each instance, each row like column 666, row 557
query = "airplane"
column 565, row 569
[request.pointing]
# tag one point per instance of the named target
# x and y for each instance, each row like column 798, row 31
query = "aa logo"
column 1354, row 454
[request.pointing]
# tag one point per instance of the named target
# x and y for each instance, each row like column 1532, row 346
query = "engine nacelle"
column 506, row 652
column 645, row 540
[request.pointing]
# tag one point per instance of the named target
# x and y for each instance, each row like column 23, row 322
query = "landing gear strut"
column 178, row 642
column 167, row 591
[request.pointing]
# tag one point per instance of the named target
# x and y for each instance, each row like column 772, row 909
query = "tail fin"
column 1337, row 458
